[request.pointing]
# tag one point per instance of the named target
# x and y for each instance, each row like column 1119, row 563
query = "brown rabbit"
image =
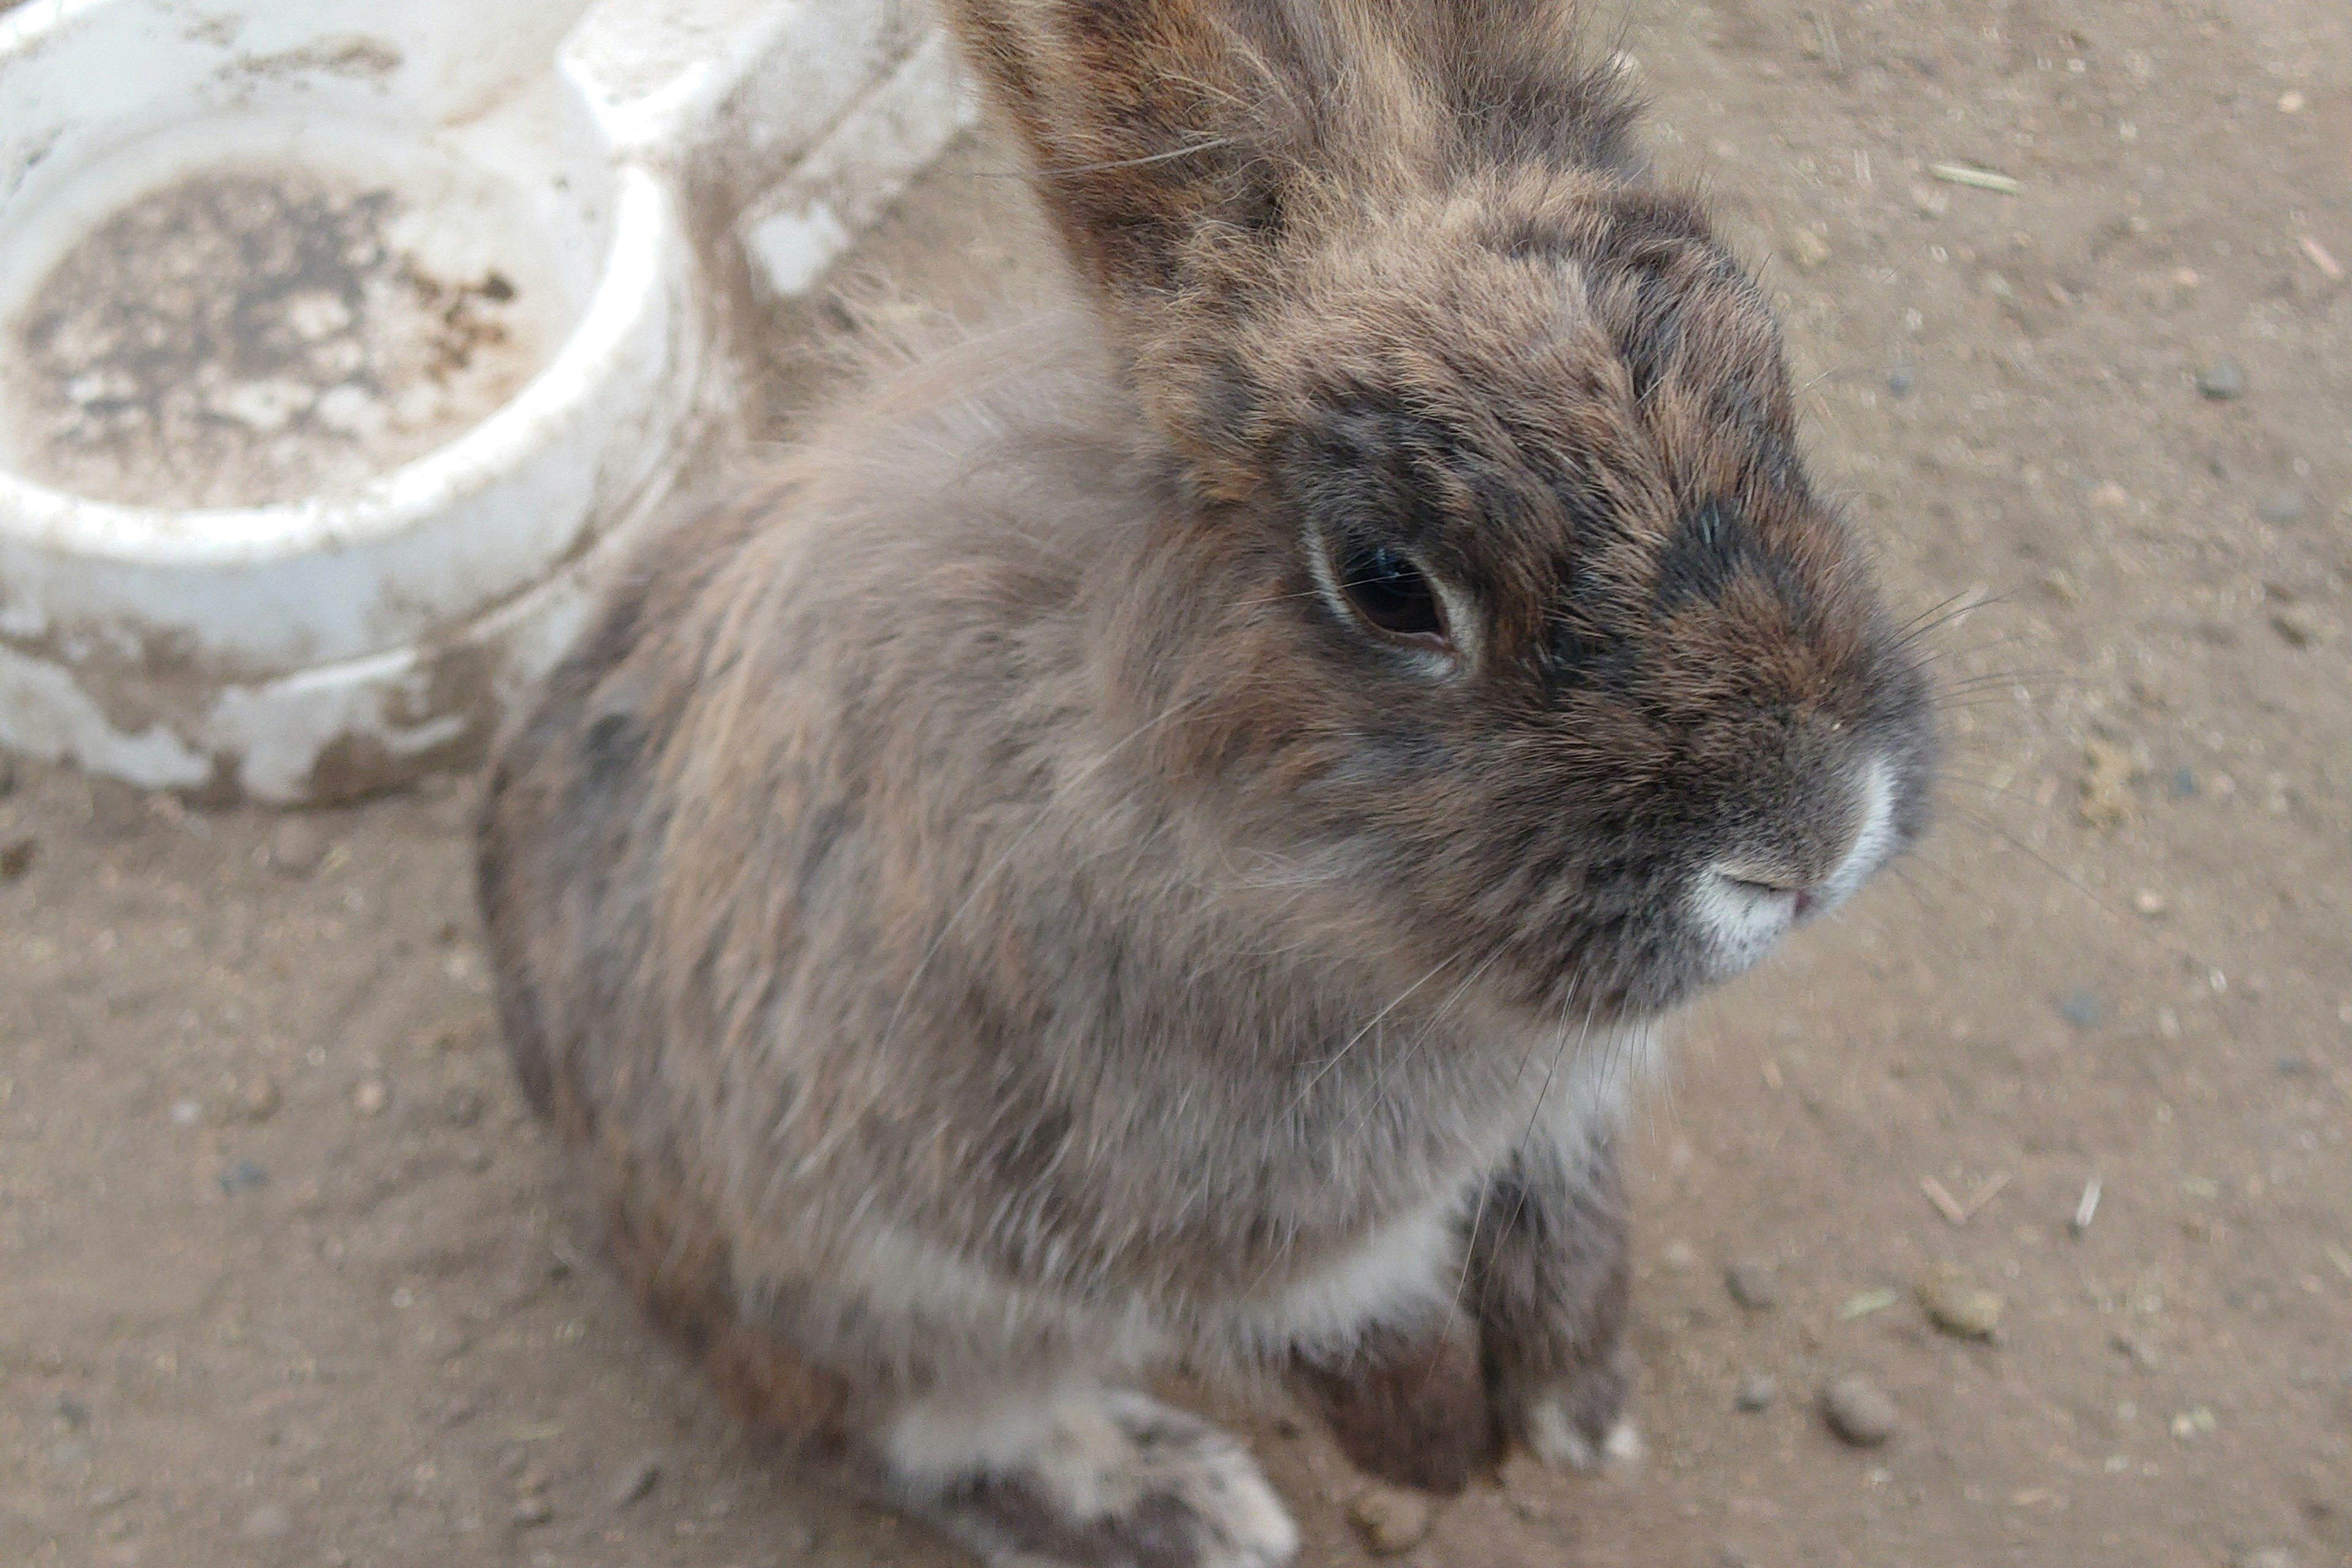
column 1163, row 831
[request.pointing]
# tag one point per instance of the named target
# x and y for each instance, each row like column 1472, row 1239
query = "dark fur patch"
column 1409, row 1407
column 1710, row 548
column 1551, row 1285
column 1714, row 547
column 610, row 750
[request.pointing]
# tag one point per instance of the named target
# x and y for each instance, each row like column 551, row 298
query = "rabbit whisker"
column 1436, row 1016
column 1357, row 1038
column 1187, row 151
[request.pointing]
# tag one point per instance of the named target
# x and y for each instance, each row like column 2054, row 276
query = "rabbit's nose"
column 1835, row 840
column 1744, row 905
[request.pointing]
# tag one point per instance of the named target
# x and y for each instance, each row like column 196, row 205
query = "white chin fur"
column 1742, row 920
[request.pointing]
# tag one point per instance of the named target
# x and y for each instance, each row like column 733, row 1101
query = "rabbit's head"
column 1492, row 596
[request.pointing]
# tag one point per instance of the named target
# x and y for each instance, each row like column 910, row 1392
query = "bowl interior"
column 293, row 261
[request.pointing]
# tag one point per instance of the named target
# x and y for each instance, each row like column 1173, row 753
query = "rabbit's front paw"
column 1102, row 1480
column 1551, row 1430
column 1579, row 1421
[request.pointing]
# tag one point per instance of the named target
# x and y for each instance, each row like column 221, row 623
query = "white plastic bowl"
column 501, row 269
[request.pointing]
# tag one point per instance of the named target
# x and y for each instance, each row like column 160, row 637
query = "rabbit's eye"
column 1393, row 594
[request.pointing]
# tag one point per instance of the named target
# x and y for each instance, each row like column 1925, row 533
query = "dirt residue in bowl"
column 252, row 335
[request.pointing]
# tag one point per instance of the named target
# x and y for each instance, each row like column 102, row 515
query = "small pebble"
column 1806, row 248
column 1756, row 1392
column 297, row 847
column 2105, row 799
column 187, row 1112
column 1957, row 1307
column 462, row 1108
column 369, row 1097
column 2281, row 507
column 2184, row 782
column 1752, row 1285
column 71, row 1411
column 17, row 857
column 2296, row 626
column 2110, row 497
column 2082, row 1008
column 2149, row 902
column 268, row 1522
column 241, row 1177
column 1859, row 1412
column 2191, row 1424
column 1678, row 1255
column 1862, row 1303
column 1902, row 379
column 108, row 1499
column 259, row 1098
column 2222, row 380
column 636, row 1479
column 1389, row 1522
column 532, row 1510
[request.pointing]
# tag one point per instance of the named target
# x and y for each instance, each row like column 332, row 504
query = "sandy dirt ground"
column 284, row 1275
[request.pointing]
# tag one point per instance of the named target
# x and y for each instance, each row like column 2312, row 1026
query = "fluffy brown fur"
column 991, row 912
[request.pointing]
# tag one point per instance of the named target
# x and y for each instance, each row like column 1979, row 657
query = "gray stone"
column 1753, row 1285
column 297, row 847
column 638, row 1477
column 2296, row 626
column 2281, row 507
column 1860, row 1412
column 2222, row 380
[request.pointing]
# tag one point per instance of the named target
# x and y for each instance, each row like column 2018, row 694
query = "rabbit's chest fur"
column 904, row 958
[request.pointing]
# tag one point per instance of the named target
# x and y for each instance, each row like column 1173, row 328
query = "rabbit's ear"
column 1172, row 136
